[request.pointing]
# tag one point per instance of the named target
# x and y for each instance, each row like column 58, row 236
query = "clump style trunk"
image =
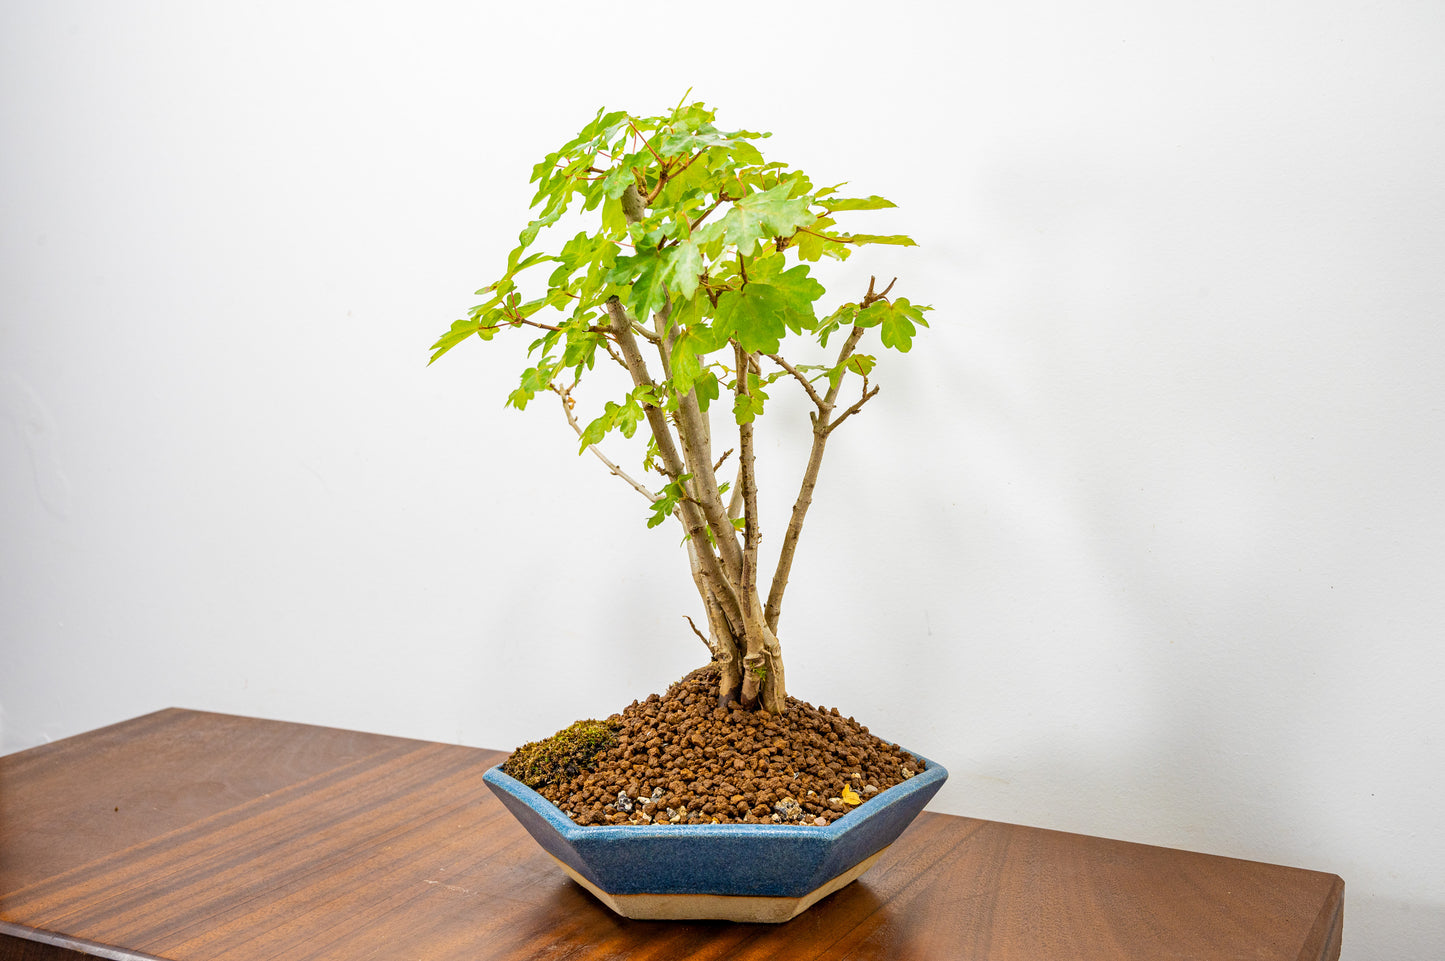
column 694, row 278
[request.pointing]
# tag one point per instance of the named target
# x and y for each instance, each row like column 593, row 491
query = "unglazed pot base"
column 719, row 907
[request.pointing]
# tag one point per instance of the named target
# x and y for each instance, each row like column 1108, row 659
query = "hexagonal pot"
column 732, row 872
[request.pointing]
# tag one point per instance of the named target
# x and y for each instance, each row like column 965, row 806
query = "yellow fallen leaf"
column 850, row 796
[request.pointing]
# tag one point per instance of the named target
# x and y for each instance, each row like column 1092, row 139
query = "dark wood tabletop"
column 192, row 836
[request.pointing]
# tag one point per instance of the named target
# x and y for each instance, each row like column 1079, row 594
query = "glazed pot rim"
column 932, row 776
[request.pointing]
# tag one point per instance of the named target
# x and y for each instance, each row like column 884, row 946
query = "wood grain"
column 190, row 836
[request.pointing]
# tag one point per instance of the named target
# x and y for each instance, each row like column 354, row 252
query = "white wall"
column 1143, row 540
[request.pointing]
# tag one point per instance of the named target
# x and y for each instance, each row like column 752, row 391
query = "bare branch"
column 867, row 396
column 667, row 173
column 566, row 394
column 823, row 425
column 735, row 502
column 692, row 429
column 710, row 649
column 844, row 353
column 726, row 454
column 695, row 436
column 638, row 133
column 870, row 298
column 518, row 321
column 807, row 385
column 755, row 659
column 704, row 215
column 612, row 352
column 693, row 520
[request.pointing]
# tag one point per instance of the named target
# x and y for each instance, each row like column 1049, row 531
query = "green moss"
column 565, row 754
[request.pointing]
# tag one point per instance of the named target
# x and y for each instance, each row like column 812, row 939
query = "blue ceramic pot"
column 735, row 872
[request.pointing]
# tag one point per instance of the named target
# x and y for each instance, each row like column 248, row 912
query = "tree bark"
column 692, row 519
column 822, row 426
column 763, row 680
column 747, row 651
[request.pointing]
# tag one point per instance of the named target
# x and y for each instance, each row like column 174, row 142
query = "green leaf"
column 895, row 239
column 872, row 315
column 898, row 324
column 461, row 330
column 858, row 364
column 762, row 312
column 595, row 431
column 747, row 407
column 645, row 273
column 629, row 416
column 515, row 267
column 534, row 380
column 708, row 389
column 683, row 268
column 583, row 250
column 693, row 136
column 614, row 220
column 867, row 203
column 810, row 246
column 625, row 417
column 620, row 177
column 667, row 499
column 756, row 294
column 581, row 349
column 686, row 368
column 762, row 216
column 529, row 233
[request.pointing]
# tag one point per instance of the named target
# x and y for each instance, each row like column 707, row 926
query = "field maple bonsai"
column 692, row 277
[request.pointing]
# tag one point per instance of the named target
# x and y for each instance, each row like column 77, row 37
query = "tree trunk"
column 763, row 681
column 745, row 647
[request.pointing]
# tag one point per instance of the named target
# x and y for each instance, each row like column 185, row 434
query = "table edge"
column 68, row 942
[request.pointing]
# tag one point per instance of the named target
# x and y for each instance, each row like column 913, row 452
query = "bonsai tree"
column 692, row 277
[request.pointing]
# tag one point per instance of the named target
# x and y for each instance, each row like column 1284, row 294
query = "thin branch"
column 726, row 454
column 867, row 396
column 844, row 353
column 695, row 437
column 667, row 174
column 762, row 661
column 612, row 352
column 693, row 431
column 644, row 333
column 735, row 502
column 692, row 518
column 566, row 394
column 870, row 298
column 518, row 321
column 749, row 481
column 721, row 197
column 807, row 385
column 823, row 425
column 660, row 161
column 710, row 649
column 829, row 237
column 704, row 511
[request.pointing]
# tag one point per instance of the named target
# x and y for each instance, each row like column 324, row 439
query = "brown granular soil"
column 681, row 759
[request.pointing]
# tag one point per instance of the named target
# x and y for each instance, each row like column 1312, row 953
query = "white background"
column 1142, row 540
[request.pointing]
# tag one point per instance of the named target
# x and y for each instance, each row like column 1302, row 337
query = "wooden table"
column 189, row 836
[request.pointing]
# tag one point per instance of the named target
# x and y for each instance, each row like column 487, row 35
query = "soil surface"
column 681, row 759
